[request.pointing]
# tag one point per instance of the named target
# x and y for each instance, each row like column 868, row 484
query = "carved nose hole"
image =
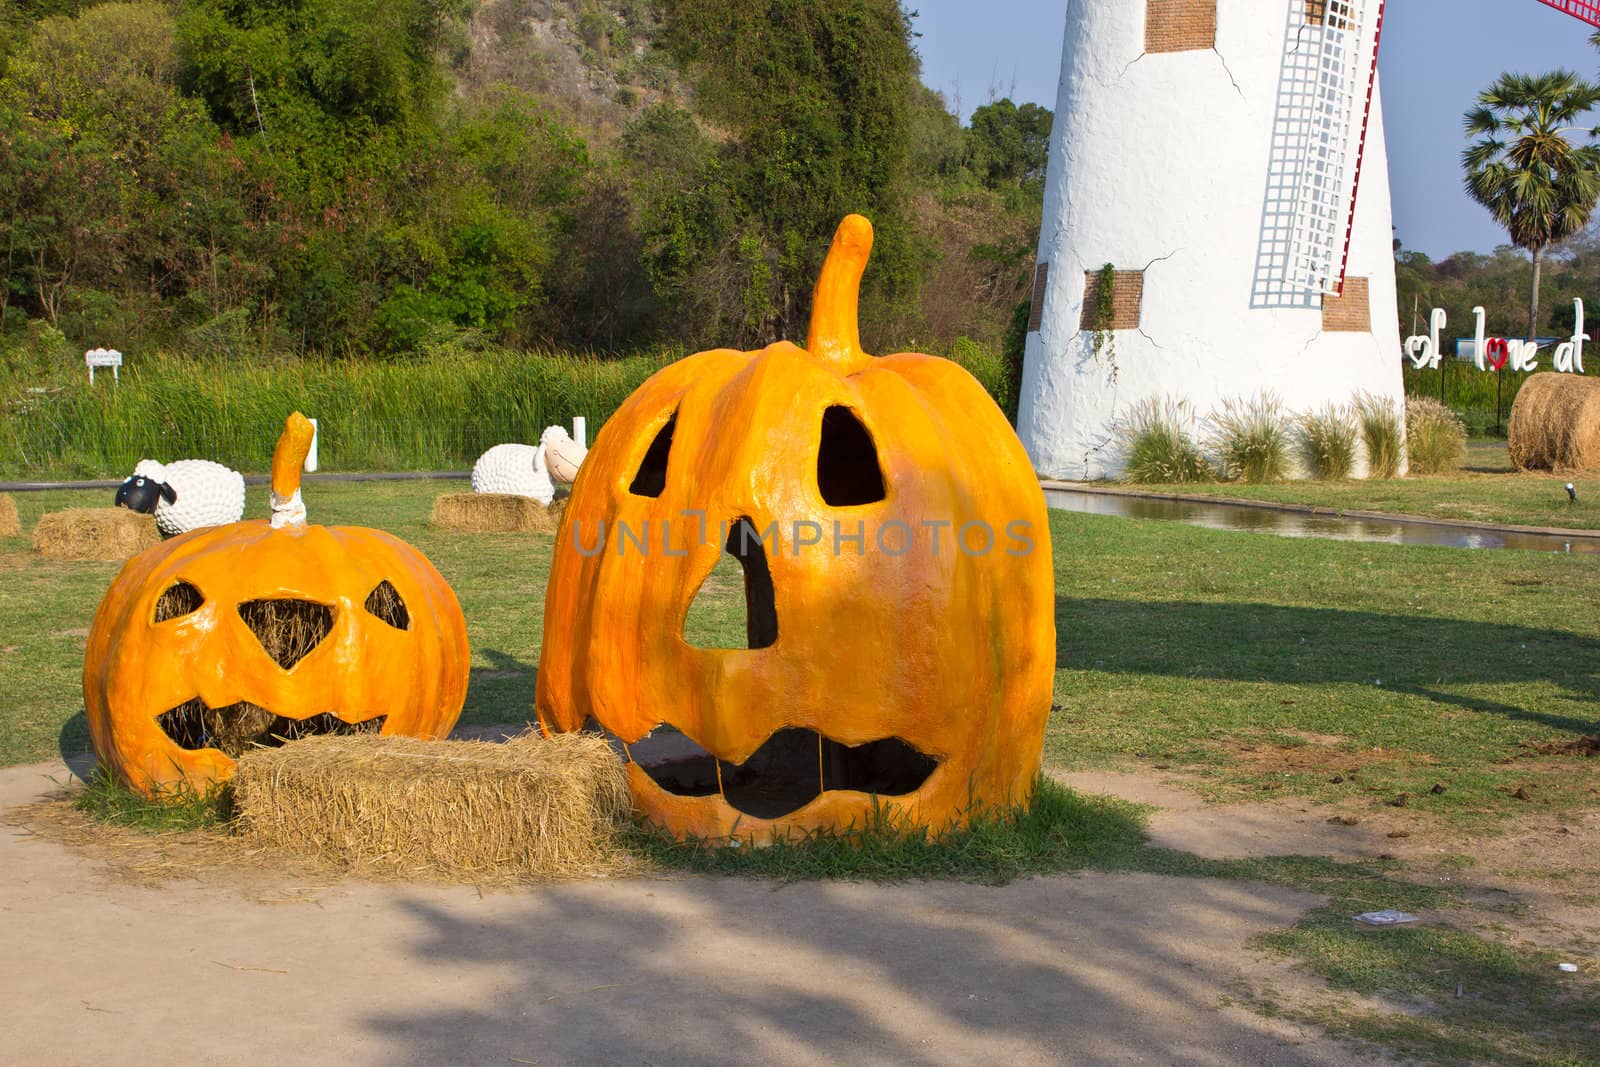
column 745, row 549
column 385, row 603
column 288, row 629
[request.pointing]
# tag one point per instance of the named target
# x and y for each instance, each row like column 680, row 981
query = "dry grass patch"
column 528, row 808
column 94, row 534
column 495, row 513
column 1555, row 423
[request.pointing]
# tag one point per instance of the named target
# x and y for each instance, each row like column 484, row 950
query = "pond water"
column 1217, row 515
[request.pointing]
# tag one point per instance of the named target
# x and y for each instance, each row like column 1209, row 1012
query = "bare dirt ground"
column 257, row 964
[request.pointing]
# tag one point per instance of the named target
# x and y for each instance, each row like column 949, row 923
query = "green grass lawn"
column 1252, row 661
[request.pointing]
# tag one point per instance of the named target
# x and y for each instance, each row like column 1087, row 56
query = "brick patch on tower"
column 1180, row 25
column 1127, row 293
column 1041, row 275
column 1348, row 313
column 1333, row 13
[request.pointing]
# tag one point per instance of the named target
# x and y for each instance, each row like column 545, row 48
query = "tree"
column 1010, row 145
column 810, row 102
column 1538, row 184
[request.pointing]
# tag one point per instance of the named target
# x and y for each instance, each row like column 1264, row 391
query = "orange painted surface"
column 951, row 651
column 135, row 668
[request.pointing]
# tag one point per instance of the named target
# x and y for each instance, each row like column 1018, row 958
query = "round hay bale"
column 495, row 513
column 94, row 534
column 1555, row 423
column 10, row 525
column 528, row 808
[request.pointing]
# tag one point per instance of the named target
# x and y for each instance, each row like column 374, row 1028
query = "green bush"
column 1381, row 434
column 987, row 363
column 1327, row 442
column 1251, row 438
column 1159, row 447
column 1436, row 437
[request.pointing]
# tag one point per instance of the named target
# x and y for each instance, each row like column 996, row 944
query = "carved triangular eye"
column 847, row 461
column 288, row 629
column 385, row 603
column 652, row 476
column 180, row 599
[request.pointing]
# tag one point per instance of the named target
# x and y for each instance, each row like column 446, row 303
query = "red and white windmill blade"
column 1583, row 10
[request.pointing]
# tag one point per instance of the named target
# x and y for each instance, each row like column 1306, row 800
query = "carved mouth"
column 235, row 727
column 790, row 770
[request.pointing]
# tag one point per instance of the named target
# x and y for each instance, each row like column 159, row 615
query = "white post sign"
column 103, row 357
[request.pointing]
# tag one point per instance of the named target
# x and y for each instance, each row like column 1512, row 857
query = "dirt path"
column 1083, row 969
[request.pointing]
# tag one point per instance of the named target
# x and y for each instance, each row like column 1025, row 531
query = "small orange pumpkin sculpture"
column 900, row 659
column 261, row 632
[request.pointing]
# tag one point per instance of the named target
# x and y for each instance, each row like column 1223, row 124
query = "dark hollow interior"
column 179, row 600
column 652, row 476
column 233, row 728
column 793, row 767
column 288, row 629
column 848, row 473
column 385, row 603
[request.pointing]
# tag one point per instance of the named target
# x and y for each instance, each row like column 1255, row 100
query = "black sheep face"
column 142, row 494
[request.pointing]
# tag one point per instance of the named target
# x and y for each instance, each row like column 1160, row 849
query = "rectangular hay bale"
column 10, row 525
column 528, row 808
column 94, row 534
column 495, row 513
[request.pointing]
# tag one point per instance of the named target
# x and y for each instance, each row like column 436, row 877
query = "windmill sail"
column 1324, row 93
column 1587, row 10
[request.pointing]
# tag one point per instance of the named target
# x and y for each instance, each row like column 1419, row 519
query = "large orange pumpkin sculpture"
column 899, row 589
column 261, row 632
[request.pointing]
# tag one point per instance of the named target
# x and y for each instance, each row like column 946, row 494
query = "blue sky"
column 1432, row 68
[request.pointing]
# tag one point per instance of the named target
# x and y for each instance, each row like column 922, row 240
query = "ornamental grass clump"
column 1381, row 434
column 1251, row 439
column 1436, row 438
column 1327, row 442
column 1159, row 446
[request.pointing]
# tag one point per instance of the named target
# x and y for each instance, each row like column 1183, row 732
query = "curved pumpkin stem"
column 835, row 336
column 294, row 444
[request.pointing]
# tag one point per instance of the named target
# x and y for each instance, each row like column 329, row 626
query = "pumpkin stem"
column 294, row 444
column 835, row 336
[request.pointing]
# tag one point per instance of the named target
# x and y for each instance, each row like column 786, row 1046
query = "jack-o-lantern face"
column 900, row 636
column 251, row 634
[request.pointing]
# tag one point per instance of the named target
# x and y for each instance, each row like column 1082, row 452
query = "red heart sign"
column 1496, row 352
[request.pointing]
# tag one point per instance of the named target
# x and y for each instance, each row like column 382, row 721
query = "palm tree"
column 1539, row 185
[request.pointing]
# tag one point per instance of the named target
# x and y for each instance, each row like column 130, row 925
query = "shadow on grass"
column 1309, row 646
column 501, row 692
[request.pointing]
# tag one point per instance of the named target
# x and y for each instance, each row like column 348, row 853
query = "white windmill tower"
column 1207, row 161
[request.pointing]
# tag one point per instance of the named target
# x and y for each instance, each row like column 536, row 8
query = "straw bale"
column 495, row 513
column 10, row 526
column 1555, row 423
column 94, row 533
column 529, row 808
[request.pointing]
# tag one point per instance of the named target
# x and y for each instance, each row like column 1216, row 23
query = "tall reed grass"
column 1436, row 438
column 1327, row 442
column 436, row 411
column 1382, row 434
column 1156, row 436
column 1251, row 439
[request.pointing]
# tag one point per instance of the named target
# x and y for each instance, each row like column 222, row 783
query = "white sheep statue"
column 517, row 470
column 185, row 494
column 562, row 455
